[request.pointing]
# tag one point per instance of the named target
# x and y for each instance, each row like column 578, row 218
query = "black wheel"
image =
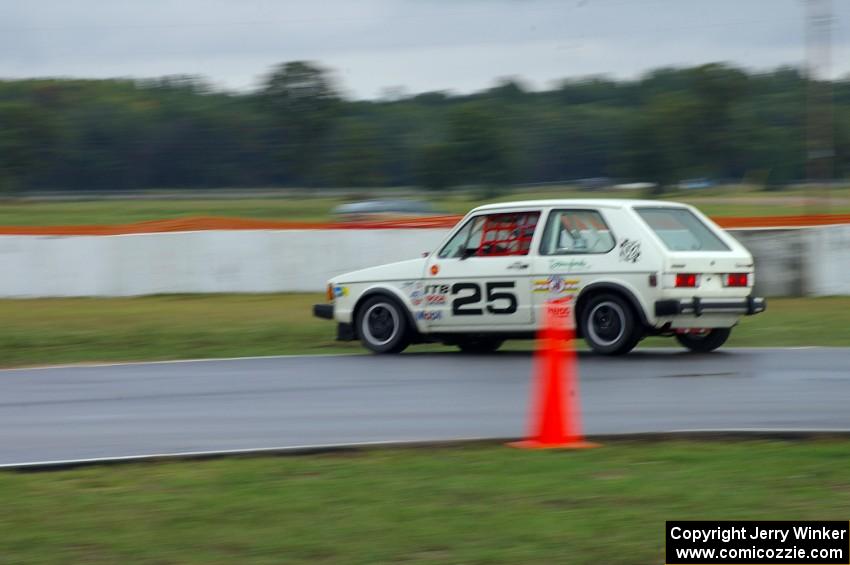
column 705, row 341
column 609, row 325
column 480, row 344
column 382, row 325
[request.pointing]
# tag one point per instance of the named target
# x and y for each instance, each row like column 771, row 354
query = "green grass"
column 721, row 201
column 98, row 212
column 477, row 504
column 69, row 330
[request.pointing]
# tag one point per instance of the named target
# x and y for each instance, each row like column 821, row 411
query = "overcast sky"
column 420, row 45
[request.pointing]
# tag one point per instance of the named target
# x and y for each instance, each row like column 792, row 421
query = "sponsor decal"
column 630, row 250
column 429, row 315
column 568, row 265
column 556, row 285
column 432, row 299
column 437, row 289
column 417, row 294
column 562, row 309
column 340, row 291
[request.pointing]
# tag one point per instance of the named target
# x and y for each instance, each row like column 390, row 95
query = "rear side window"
column 493, row 235
column 681, row 230
column 571, row 232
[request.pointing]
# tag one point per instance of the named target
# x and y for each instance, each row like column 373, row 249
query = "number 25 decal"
column 493, row 295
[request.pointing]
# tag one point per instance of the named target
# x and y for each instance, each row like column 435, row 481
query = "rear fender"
column 615, row 287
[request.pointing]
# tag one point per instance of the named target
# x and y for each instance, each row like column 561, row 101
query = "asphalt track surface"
column 144, row 409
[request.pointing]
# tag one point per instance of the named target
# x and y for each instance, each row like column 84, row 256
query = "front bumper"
column 698, row 306
column 323, row 311
column 344, row 332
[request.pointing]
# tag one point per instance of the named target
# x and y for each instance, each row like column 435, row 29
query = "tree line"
column 298, row 129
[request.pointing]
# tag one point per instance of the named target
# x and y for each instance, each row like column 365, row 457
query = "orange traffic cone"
column 555, row 418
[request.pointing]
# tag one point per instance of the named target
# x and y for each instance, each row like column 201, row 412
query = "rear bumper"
column 324, row 311
column 698, row 306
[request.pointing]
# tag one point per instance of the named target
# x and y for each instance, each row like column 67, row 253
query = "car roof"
column 595, row 202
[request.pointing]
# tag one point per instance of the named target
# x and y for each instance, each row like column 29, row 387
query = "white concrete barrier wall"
column 813, row 261
column 826, row 261
column 203, row 261
column 778, row 255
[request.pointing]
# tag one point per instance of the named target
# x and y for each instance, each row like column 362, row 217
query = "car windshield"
column 681, row 230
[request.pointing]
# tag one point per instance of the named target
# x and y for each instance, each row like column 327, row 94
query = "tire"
column 382, row 325
column 480, row 344
column 703, row 343
column 609, row 325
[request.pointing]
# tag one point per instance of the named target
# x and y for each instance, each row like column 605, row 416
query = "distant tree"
column 357, row 157
column 437, row 167
column 435, row 98
column 297, row 128
column 508, row 90
column 27, row 137
column 478, row 147
column 717, row 90
column 303, row 104
column 661, row 144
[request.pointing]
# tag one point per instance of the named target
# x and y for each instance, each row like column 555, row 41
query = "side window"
column 576, row 231
column 493, row 235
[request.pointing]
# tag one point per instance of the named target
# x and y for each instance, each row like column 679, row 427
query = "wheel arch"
column 607, row 287
column 386, row 292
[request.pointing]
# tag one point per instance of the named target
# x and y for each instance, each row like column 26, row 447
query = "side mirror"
column 426, row 253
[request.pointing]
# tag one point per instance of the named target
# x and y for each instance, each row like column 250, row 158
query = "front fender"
column 394, row 292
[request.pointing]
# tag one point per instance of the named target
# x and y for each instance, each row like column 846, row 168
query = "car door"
column 575, row 248
column 480, row 279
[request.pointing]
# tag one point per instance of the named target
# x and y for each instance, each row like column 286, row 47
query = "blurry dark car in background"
column 371, row 209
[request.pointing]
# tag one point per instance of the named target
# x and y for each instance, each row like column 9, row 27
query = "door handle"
column 518, row 265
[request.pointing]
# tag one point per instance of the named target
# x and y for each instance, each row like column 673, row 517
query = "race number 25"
column 498, row 301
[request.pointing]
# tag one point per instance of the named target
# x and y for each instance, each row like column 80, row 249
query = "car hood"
column 403, row 270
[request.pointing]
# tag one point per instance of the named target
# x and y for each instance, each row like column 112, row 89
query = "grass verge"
column 69, row 330
column 482, row 504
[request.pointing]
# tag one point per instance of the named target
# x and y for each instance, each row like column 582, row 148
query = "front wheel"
column 609, row 325
column 705, row 341
column 382, row 325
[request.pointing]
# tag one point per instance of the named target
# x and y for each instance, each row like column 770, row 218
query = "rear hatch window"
column 681, row 230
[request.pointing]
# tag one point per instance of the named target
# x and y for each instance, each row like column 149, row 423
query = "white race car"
column 634, row 269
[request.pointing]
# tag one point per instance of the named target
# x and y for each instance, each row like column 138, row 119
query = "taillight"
column 737, row 279
column 330, row 293
column 686, row 280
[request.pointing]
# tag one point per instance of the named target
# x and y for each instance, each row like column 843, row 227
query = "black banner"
column 761, row 543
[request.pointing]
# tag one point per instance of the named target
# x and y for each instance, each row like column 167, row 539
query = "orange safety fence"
column 782, row 221
column 215, row 223
column 200, row 223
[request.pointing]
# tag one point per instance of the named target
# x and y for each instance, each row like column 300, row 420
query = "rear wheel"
column 382, row 325
column 705, row 341
column 609, row 325
column 480, row 344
